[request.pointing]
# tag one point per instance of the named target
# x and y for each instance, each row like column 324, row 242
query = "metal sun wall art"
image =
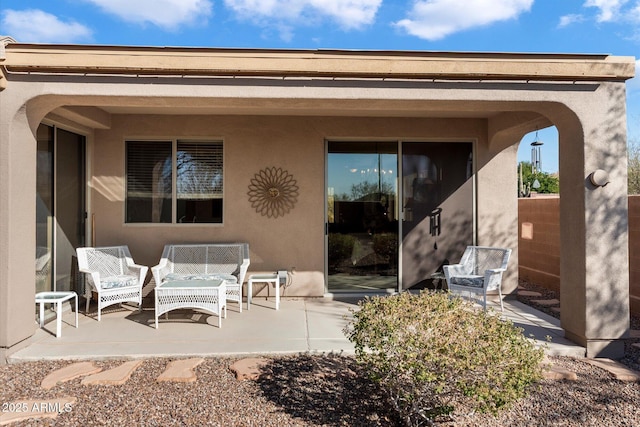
column 273, row 192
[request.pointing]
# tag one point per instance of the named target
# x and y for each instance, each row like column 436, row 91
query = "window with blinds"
column 199, row 181
column 149, row 181
column 152, row 168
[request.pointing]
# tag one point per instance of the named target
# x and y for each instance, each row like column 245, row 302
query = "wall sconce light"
column 599, row 178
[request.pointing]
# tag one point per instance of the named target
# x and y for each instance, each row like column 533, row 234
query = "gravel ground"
column 303, row 390
column 307, row 390
column 632, row 354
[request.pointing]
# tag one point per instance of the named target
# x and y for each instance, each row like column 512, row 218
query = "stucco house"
column 354, row 170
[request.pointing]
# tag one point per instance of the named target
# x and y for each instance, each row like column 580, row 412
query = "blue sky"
column 546, row 26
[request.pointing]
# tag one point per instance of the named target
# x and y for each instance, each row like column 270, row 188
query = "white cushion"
column 471, row 281
column 118, row 282
column 228, row 278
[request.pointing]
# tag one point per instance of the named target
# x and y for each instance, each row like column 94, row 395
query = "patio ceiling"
column 98, row 115
column 315, row 107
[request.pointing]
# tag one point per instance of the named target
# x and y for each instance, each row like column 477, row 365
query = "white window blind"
column 199, row 170
column 148, row 173
column 148, row 168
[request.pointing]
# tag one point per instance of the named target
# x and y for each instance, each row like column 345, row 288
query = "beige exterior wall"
column 251, row 143
column 284, row 121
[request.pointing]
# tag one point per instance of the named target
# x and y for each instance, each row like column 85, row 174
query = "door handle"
column 435, row 222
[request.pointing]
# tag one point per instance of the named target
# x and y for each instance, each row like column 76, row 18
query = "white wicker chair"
column 112, row 274
column 479, row 271
column 225, row 261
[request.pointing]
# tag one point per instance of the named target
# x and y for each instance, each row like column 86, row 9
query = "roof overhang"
column 171, row 61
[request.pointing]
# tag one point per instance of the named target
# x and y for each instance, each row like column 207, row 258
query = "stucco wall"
column 539, row 244
column 497, row 98
column 251, row 143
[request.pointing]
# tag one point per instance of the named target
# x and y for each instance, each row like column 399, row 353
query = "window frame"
column 174, row 184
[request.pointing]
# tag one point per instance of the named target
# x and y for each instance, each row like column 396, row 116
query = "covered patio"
column 260, row 111
column 300, row 325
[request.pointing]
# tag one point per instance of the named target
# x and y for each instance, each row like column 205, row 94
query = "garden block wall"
column 539, row 241
column 539, row 244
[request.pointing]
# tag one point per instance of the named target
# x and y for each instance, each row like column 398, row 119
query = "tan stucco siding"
column 285, row 121
column 251, row 143
column 17, row 231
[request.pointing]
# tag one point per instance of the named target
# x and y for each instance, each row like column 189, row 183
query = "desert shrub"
column 340, row 248
column 431, row 352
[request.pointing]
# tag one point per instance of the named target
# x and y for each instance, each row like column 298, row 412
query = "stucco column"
column 594, row 266
column 17, row 231
column 497, row 200
column 497, row 205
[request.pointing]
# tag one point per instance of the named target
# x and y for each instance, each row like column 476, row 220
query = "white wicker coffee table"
column 206, row 295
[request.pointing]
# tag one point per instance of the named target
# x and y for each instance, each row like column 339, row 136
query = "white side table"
column 263, row 278
column 57, row 298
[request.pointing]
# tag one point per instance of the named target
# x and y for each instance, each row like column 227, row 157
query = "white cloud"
column 436, row 19
column 167, row 14
column 609, row 9
column 567, row 20
column 36, row 26
column 349, row 14
column 634, row 14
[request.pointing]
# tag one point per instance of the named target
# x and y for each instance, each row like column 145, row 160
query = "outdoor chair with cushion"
column 479, row 271
column 112, row 274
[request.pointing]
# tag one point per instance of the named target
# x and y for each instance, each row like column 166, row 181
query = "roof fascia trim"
column 55, row 59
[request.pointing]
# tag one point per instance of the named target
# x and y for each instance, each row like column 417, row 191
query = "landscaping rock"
column 546, row 302
column 249, row 368
column 620, row 371
column 558, row 373
column 181, row 370
column 529, row 294
column 116, row 376
column 69, row 373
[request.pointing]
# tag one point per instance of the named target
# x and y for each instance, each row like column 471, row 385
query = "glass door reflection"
column 437, row 199
column 60, row 208
column 362, row 216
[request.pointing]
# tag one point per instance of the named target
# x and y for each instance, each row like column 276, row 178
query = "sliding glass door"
column 60, row 207
column 437, row 201
column 362, row 221
column 44, row 209
column 396, row 212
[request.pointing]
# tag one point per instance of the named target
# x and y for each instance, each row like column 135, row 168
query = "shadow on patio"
column 301, row 325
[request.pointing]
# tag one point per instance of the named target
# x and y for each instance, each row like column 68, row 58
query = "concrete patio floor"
column 301, row 325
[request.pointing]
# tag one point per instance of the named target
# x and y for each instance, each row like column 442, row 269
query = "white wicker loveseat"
column 112, row 274
column 225, row 261
column 479, row 271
